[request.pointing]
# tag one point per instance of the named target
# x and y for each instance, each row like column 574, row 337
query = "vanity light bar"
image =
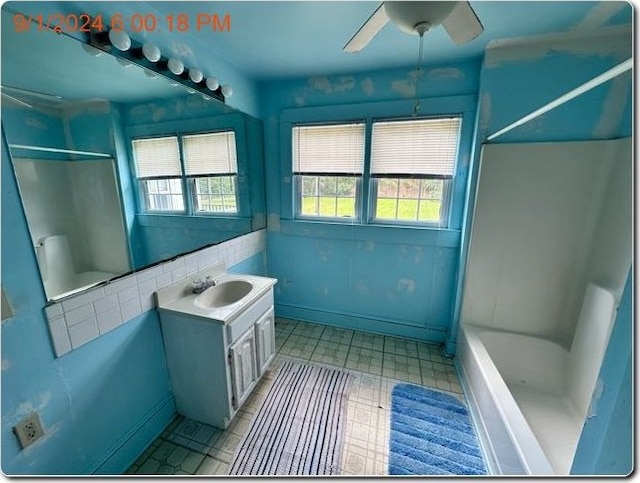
column 120, row 45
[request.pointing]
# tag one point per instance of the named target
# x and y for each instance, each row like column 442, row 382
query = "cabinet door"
column 266, row 336
column 243, row 367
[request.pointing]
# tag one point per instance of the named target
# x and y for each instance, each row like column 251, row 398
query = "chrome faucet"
column 199, row 285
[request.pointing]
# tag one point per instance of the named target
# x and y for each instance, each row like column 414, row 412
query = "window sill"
column 385, row 233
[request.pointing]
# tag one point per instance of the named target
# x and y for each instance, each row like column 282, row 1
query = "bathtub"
column 508, row 392
column 529, row 397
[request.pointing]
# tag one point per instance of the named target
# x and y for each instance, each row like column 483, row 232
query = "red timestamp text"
column 138, row 22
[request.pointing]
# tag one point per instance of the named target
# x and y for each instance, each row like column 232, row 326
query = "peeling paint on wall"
column 329, row 86
column 182, row 50
column 273, row 222
column 485, row 115
column 614, row 107
column 406, row 87
column 362, row 289
column 445, row 73
column 35, row 123
column 599, row 15
column 28, row 407
column 368, row 246
column 610, row 41
column 406, row 285
column 367, row 86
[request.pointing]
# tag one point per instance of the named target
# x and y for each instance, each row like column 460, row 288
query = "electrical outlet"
column 29, row 430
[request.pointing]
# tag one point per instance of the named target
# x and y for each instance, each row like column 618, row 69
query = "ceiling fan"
column 415, row 17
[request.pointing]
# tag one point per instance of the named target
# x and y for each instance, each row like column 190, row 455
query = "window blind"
column 157, row 157
column 329, row 149
column 420, row 146
column 212, row 153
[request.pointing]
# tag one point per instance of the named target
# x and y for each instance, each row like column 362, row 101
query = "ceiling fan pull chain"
column 416, row 107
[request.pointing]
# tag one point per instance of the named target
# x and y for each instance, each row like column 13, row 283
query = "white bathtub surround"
column 80, row 319
column 531, row 396
column 549, row 218
column 550, row 249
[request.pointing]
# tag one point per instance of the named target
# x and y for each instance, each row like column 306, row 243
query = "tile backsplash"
column 80, row 319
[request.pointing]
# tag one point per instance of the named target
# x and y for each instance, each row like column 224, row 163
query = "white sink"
column 225, row 293
column 232, row 295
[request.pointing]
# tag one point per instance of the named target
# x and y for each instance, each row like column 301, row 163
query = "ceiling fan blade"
column 462, row 24
column 368, row 31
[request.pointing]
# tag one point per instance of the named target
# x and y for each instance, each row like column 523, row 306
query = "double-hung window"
column 328, row 162
column 212, row 166
column 410, row 170
column 412, row 167
column 159, row 173
column 195, row 173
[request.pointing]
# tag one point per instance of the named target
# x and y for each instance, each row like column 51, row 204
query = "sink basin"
column 225, row 293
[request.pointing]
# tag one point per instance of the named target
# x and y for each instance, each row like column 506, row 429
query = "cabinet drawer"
column 249, row 317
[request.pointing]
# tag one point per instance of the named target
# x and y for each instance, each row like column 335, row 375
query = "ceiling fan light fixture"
column 408, row 15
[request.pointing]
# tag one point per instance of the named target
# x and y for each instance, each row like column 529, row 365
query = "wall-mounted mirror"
column 86, row 131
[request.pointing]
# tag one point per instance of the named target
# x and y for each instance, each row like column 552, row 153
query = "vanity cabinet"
column 266, row 340
column 213, row 366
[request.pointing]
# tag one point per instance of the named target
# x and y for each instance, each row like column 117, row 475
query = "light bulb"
column 150, row 73
column 205, row 97
column 175, row 66
column 151, row 52
column 120, row 40
column 227, row 91
column 190, row 90
column 91, row 50
column 212, row 83
column 195, row 75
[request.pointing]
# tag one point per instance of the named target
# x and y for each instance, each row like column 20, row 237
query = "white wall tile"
column 109, row 302
column 76, row 316
column 120, row 284
column 80, row 319
column 109, row 320
column 147, row 292
column 149, row 273
column 130, row 309
column 80, row 334
column 60, row 336
column 128, row 294
column 53, row 311
column 83, row 299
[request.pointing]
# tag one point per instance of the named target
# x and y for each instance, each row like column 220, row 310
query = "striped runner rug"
column 300, row 427
column 431, row 434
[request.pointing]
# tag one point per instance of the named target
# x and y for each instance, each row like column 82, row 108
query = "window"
column 328, row 161
column 159, row 173
column 211, row 164
column 410, row 170
column 208, row 172
column 412, row 166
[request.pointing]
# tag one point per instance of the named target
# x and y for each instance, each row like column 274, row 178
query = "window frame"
column 297, row 178
column 187, row 181
column 447, row 185
column 366, row 184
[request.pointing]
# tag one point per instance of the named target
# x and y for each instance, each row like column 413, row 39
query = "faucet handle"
column 197, row 283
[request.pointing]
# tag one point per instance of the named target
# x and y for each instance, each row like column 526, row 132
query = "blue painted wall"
column 89, row 401
column 100, row 405
column 392, row 280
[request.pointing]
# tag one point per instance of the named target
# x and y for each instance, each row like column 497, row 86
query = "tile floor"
column 187, row 447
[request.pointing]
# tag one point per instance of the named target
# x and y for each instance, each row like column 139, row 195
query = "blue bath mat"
column 431, row 434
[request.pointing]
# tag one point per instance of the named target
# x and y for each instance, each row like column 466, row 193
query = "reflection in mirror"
column 70, row 114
